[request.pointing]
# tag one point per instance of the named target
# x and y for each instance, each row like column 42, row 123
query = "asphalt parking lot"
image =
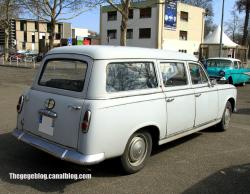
column 204, row 162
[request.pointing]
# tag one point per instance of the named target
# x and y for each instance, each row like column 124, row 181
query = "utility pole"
column 221, row 32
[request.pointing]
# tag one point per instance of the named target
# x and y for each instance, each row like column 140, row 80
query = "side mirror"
column 213, row 82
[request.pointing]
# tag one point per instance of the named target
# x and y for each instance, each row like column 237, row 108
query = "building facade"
column 148, row 26
column 34, row 35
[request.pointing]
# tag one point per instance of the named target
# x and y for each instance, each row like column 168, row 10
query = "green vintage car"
column 227, row 69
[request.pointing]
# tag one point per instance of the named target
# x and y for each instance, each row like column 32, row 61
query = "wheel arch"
column 232, row 102
column 152, row 129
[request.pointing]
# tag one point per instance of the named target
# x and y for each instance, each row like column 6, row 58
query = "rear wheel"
column 137, row 151
column 224, row 124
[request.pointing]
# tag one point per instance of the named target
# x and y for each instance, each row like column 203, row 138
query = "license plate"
column 46, row 125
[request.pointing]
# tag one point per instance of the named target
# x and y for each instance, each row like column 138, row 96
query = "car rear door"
column 179, row 96
column 53, row 107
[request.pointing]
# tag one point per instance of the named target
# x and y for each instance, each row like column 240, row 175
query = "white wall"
column 136, row 23
column 82, row 32
column 176, row 45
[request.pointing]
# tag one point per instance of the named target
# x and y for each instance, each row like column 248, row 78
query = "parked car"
column 13, row 57
column 91, row 103
column 227, row 69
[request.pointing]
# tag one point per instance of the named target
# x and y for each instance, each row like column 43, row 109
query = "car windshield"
column 64, row 74
column 219, row 63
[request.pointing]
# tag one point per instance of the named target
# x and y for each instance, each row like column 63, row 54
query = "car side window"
column 126, row 76
column 173, row 74
column 198, row 75
column 236, row 65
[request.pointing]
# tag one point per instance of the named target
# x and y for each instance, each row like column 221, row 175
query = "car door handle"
column 74, row 107
column 170, row 99
column 197, row 95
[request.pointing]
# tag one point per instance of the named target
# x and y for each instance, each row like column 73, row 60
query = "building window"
column 111, row 34
column 145, row 33
column 36, row 26
column 131, row 14
column 145, row 12
column 58, row 36
column 183, row 35
column 112, row 15
column 33, row 38
column 182, row 51
column 24, row 45
column 59, row 28
column 129, row 33
column 48, row 27
column 25, row 36
column 184, row 16
column 23, row 26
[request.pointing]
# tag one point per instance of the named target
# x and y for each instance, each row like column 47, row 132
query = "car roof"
column 121, row 52
column 224, row 58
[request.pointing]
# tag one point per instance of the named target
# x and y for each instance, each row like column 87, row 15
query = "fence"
column 27, row 62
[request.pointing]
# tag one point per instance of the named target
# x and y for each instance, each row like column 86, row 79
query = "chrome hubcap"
column 137, row 150
column 227, row 117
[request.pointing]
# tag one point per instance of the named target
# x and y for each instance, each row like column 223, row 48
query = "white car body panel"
column 115, row 116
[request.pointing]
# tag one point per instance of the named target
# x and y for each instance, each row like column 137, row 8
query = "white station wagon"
column 91, row 103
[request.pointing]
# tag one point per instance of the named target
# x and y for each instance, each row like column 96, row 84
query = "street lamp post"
column 221, row 32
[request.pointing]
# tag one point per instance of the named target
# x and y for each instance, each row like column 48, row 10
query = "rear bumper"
column 57, row 150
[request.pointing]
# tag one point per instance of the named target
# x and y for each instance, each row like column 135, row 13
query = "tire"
column 224, row 124
column 230, row 80
column 137, row 151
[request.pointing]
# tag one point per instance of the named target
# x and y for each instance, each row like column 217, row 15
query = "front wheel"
column 224, row 124
column 230, row 80
column 137, row 151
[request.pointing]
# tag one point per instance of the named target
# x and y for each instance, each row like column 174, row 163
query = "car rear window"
column 64, row 74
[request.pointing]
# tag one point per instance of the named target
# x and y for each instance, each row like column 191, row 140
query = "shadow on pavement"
column 233, row 180
column 243, row 111
column 20, row 158
column 165, row 147
column 17, row 157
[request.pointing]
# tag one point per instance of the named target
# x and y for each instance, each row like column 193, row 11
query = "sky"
column 90, row 19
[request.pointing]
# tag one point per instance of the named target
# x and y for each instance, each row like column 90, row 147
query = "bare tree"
column 122, row 7
column 9, row 10
column 244, row 6
column 54, row 11
column 234, row 26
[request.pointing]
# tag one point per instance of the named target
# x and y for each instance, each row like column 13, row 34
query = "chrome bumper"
column 57, row 150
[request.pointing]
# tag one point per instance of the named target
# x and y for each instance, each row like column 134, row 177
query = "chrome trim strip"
column 185, row 133
column 48, row 113
column 57, row 150
column 190, row 129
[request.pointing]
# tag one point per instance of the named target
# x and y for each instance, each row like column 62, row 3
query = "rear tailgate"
column 53, row 107
column 61, row 124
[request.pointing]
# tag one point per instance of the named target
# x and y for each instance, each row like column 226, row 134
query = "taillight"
column 86, row 121
column 20, row 104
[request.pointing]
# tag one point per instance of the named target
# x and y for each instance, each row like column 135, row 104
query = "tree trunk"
column 6, row 42
column 245, row 31
column 124, row 26
column 52, row 34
